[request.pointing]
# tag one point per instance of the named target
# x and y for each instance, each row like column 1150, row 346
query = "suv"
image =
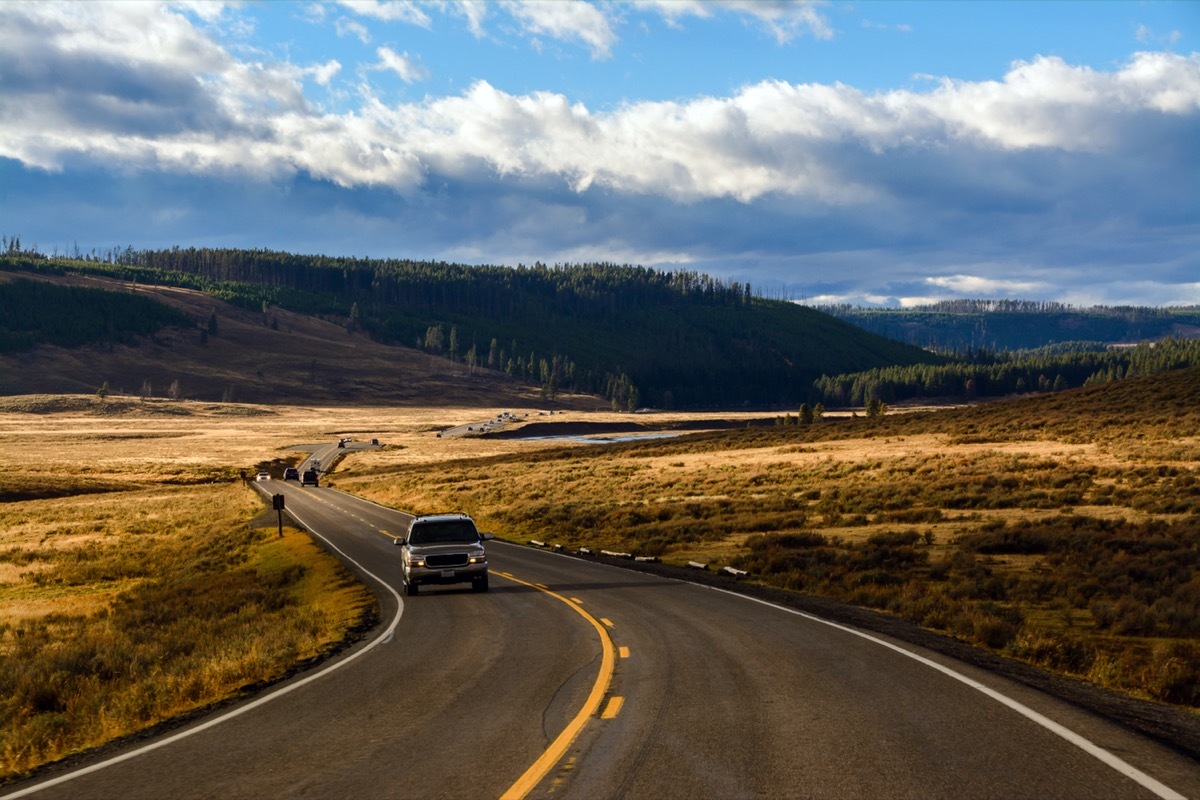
column 443, row 548
column 310, row 478
column 291, row 474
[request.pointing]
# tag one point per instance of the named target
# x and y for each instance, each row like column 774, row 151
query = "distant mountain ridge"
column 637, row 336
column 963, row 326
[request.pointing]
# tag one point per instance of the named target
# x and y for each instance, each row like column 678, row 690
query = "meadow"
column 140, row 579
column 137, row 581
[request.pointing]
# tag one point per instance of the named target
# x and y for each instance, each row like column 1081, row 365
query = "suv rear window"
column 448, row 532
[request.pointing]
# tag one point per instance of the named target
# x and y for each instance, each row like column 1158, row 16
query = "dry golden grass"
column 110, row 509
column 93, row 492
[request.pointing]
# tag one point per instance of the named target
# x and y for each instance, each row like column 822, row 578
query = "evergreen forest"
column 988, row 374
column 638, row 336
column 34, row 312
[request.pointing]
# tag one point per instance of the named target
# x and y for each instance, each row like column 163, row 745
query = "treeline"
column 960, row 326
column 999, row 374
column 635, row 335
column 33, row 312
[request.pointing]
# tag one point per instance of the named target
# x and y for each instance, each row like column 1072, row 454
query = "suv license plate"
column 447, row 573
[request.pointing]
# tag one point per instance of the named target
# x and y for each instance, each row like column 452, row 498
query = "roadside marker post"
column 277, row 504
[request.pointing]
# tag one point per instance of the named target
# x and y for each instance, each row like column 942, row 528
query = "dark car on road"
column 291, row 474
column 310, row 478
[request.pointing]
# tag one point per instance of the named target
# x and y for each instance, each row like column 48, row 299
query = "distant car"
column 342, row 443
column 263, row 476
column 310, row 478
column 291, row 474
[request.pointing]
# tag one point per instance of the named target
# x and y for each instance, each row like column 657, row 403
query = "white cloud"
column 474, row 12
column 402, row 64
column 565, row 20
column 324, row 73
column 785, row 20
column 154, row 91
column 314, row 12
column 1051, row 159
column 982, row 287
column 349, row 27
column 1145, row 35
column 207, row 10
column 390, row 11
column 1048, row 103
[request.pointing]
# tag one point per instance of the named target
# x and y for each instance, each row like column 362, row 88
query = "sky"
column 874, row 153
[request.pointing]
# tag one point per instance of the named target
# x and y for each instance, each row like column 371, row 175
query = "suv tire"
column 480, row 584
column 411, row 589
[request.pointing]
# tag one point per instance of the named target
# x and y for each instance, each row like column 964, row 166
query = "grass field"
column 135, row 585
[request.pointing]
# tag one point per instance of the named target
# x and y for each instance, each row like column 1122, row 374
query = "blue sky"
column 868, row 152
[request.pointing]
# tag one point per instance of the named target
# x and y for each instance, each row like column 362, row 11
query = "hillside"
column 281, row 357
column 636, row 336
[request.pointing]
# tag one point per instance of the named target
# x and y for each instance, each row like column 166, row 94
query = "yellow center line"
column 623, row 652
column 558, row 748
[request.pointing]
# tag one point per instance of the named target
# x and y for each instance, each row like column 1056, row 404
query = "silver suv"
column 444, row 548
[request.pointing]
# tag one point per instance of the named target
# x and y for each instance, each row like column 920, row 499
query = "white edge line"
column 1121, row 766
column 264, row 699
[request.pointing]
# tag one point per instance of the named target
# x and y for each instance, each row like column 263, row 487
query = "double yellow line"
column 558, row 748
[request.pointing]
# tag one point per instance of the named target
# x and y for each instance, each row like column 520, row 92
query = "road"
column 664, row 689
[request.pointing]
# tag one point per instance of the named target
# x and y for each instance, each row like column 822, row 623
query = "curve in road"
column 721, row 698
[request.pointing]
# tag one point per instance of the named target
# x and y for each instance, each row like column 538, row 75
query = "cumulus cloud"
column 139, row 84
column 1053, row 158
column 91, row 73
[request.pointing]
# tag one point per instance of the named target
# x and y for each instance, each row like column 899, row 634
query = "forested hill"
column 79, row 316
column 963, row 326
column 638, row 336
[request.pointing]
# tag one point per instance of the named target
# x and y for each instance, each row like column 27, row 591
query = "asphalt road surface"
column 571, row 679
